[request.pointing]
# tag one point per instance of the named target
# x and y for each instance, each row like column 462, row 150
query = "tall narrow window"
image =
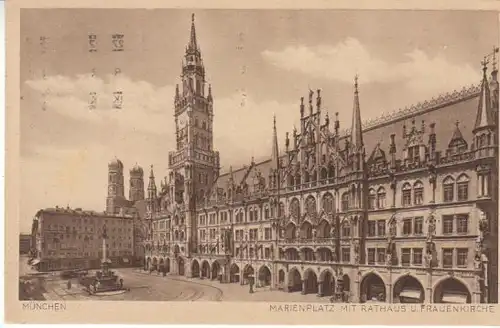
column 447, row 224
column 371, row 199
column 447, row 257
column 448, row 186
column 381, row 198
column 462, row 223
column 345, row 202
column 346, row 230
column 418, row 193
column 406, row 201
column 405, row 256
column 463, row 187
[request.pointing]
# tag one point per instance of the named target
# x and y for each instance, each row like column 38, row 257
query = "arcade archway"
column 264, row 276
column 155, row 264
column 215, row 270
column 180, row 266
column 310, row 282
column 327, row 284
column 281, row 279
column 248, row 274
column 294, row 281
column 451, row 290
column 205, row 269
column 167, row 265
column 195, row 269
column 372, row 289
column 408, row 289
column 234, row 273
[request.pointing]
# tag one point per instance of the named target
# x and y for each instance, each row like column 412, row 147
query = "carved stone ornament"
column 483, row 222
column 431, row 230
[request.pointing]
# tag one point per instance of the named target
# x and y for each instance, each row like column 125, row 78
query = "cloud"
column 419, row 73
column 145, row 107
column 243, row 127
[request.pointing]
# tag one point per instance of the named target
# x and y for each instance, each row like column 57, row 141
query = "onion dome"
column 115, row 164
column 137, row 170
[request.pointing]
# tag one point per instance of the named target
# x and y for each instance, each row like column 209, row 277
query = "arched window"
column 406, row 194
column 371, row 199
column 448, row 189
column 346, row 229
column 295, row 208
column 324, row 174
column 463, row 188
column 345, row 202
column 381, row 198
column 418, row 193
column 311, row 207
column 328, row 203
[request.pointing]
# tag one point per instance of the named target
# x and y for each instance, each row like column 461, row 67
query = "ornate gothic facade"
column 400, row 209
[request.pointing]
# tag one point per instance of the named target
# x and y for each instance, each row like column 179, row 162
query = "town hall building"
column 399, row 209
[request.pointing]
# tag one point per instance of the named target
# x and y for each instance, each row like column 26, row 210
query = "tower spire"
column 275, row 153
column 356, row 132
column 192, row 41
column 152, row 184
column 484, row 117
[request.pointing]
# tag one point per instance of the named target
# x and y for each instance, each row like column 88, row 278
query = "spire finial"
column 192, row 42
column 485, row 62
column 457, row 123
column 356, row 77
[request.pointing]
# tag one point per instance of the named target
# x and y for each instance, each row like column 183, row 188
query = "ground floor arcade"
column 342, row 284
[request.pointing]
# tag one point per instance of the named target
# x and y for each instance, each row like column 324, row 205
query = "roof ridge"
column 442, row 99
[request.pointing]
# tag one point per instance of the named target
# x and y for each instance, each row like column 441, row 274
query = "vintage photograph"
column 258, row 155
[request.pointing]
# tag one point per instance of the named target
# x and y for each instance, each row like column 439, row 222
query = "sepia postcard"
column 260, row 163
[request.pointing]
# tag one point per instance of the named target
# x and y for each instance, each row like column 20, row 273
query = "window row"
column 252, row 253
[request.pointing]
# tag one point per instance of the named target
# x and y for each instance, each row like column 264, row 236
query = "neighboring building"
column 24, row 243
column 67, row 238
column 401, row 209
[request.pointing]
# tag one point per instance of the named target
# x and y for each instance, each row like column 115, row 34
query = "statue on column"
column 356, row 251
column 483, row 222
column 431, row 231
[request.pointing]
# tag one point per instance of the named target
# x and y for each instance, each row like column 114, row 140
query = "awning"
column 410, row 293
column 454, row 298
column 35, row 262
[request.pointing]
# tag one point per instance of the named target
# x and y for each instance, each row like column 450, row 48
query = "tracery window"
column 381, row 198
column 311, row 206
column 406, row 194
column 418, row 193
column 371, row 199
column 345, row 202
column 328, row 203
column 448, row 189
column 295, row 208
column 463, row 187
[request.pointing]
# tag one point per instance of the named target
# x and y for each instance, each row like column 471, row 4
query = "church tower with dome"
column 136, row 190
column 116, row 187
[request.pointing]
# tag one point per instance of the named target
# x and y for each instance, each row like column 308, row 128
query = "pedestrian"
column 69, row 284
column 121, row 283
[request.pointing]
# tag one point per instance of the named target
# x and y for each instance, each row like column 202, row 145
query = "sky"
column 259, row 63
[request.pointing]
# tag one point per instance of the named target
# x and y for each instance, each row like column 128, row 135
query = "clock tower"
column 194, row 164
